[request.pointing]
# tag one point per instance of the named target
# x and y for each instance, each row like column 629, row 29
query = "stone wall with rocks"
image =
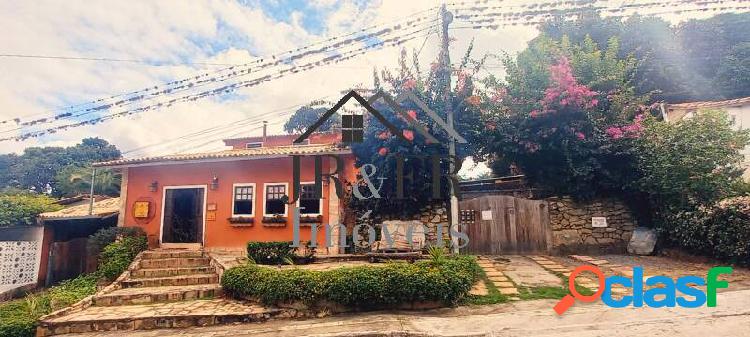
column 572, row 230
column 431, row 216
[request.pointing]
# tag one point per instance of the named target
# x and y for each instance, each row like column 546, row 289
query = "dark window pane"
column 311, row 206
column 308, row 191
column 357, row 136
column 346, row 136
column 347, row 121
column 274, row 206
column 358, row 121
column 243, row 207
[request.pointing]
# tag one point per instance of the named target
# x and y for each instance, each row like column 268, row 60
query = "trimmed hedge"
column 273, row 253
column 365, row 287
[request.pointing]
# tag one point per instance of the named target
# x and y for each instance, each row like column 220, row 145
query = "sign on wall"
column 598, row 222
column 141, row 209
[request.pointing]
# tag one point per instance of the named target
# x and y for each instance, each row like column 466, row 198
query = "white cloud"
column 180, row 33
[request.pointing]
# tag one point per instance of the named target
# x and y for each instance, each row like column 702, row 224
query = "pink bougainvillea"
column 580, row 135
column 384, row 135
column 565, row 90
column 474, row 100
column 383, row 151
column 409, row 84
column 408, row 134
column 412, row 114
column 632, row 130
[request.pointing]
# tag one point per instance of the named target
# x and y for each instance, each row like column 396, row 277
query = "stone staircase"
column 161, row 289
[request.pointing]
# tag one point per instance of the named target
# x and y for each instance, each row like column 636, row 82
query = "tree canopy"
column 38, row 167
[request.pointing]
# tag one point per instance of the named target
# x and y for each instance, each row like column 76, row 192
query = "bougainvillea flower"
column 474, row 100
column 412, row 114
column 383, row 151
column 580, row 135
column 410, row 84
column 384, row 135
column 408, row 134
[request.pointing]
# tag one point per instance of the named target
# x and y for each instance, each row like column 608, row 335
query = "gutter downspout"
column 91, row 191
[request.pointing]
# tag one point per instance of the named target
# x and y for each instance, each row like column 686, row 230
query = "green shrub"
column 274, row 252
column 721, row 231
column 117, row 256
column 18, row 318
column 367, row 287
column 21, row 209
column 105, row 236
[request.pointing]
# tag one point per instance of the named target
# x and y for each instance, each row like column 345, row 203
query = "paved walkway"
column 525, row 272
column 527, row 318
column 494, row 273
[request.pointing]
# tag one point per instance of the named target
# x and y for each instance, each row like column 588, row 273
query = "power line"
column 274, row 59
column 105, row 59
column 231, row 87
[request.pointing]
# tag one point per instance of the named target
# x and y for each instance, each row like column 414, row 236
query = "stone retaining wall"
column 431, row 216
column 572, row 230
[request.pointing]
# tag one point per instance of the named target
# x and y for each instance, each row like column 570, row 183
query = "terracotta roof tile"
column 101, row 209
column 710, row 104
column 236, row 154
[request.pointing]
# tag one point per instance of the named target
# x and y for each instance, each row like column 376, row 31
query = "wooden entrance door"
column 182, row 216
column 499, row 224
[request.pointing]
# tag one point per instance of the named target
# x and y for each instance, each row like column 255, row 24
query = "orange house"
column 222, row 200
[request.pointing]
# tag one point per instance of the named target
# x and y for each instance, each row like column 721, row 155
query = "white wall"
column 741, row 116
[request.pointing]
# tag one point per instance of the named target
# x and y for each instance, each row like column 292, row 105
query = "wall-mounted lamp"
column 153, row 186
column 214, row 183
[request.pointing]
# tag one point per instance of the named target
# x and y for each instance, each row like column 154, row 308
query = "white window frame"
column 255, row 197
column 300, row 198
column 265, row 194
column 247, row 145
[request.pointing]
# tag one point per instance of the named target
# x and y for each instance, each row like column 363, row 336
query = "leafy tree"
column 38, row 167
column 306, row 116
column 380, row 148
column 691, row 163
column 21, row 209
column 675, row 63
column 561, row 100
column 74, row 180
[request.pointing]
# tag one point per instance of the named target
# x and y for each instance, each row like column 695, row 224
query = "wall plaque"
column 141, row 209
column 598, row 222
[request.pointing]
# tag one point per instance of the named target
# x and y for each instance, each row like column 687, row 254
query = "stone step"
column 166, row 254
column 167, row 272
column 137, row 296
column 183, row 280
column 175, row 262
column 156, row 316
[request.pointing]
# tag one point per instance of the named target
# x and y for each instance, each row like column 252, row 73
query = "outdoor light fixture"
column 153, row 186
column 214, row 183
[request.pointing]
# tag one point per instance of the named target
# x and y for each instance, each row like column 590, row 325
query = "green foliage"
column 561, row 99
column 362, row 287
column 380, row 146
column 690, row 163
column 21, row 209
column 74, row 180
column 274, row 252
column 695, row 60
column 106, row 236
column 18, row 318
column 117, row 256
column 720, row 231
column 38, row 167
column 307, row 115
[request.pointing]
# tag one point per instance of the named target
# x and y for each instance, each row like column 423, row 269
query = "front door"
column 182, row 220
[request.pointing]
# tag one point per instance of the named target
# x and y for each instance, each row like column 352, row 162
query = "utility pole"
column 445, row 19
column 91, row 191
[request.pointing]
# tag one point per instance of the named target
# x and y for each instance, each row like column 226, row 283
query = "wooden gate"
column 498, row 224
